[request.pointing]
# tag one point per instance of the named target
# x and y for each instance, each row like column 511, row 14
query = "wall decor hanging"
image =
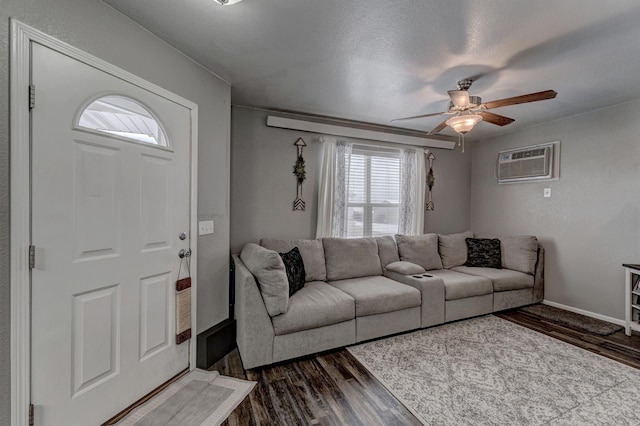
column 298, row 170
column 430, row 181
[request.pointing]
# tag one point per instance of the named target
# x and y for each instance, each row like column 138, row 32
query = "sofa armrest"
column 254, row 330
column 538, row 282
column 432, row 292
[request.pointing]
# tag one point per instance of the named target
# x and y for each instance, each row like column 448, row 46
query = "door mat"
column 573, row 319
column 200, row 398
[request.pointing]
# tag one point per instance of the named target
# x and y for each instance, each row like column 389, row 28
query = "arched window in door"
column 123, row 117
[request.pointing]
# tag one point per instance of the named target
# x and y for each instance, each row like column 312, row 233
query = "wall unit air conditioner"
column 531, row 163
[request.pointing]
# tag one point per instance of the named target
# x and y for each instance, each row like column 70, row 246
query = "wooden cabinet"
column 632, row 297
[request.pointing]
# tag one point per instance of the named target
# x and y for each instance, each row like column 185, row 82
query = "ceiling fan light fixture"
column 462, row 124
column 227, row 2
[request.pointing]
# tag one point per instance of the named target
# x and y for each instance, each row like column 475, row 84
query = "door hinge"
column 32, row 97
column 31, row 415
column 32, row 257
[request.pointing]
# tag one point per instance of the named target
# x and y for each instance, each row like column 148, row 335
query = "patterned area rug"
column 572, row 319
column 200, row 398
column 489, row 371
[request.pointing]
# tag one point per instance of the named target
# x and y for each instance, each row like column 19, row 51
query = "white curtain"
column 412, row 187
column 326, row 188
column 332, row 190
column 343, row 164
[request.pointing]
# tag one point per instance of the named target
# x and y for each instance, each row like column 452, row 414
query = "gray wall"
column 263, row 186
column 96, row 28
column 591, row 223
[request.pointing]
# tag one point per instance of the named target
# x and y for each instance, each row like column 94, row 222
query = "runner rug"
column 573, row 319
column 489, row 371
column 200, row 398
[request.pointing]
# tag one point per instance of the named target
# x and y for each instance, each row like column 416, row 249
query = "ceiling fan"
column 467, row 110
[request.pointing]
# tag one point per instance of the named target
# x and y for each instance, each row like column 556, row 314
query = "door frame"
column 21, row 37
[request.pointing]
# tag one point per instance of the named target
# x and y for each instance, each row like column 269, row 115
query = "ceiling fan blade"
column 459, row 98
column 439, row 127
column 418, row 116
column 531, row 97
column 497, row 119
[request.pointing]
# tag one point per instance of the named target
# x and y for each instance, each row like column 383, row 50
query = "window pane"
column 384, row 221
column 123, row 117
column 355, row 222
column 373, row 183
column 357, row 179
column 385, row 180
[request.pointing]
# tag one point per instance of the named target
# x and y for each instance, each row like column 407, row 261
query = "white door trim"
column 21, row 36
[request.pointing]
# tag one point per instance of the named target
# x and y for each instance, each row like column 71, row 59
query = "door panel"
column 106, row 215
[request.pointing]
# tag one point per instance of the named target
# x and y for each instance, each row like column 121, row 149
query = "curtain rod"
column 359, row 133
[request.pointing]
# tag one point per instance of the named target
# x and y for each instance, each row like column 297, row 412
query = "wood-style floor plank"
column 617, row 346
column 333, row 388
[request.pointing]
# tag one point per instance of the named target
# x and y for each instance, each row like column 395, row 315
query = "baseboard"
column 583, row 312
column 215, row 343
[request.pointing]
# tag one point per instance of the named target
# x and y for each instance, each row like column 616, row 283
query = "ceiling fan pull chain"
column 461, row 141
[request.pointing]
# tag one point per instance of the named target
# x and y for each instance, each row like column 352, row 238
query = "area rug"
column 200, row 398
column 489, row 371
column 573, row 319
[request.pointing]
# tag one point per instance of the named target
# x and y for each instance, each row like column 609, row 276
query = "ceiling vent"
column 531, row 163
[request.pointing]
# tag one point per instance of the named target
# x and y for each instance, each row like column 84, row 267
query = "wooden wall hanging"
column 430, row 181
column 298, row 170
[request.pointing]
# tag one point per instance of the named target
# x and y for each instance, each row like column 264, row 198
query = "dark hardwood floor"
column 618, row 346
column 334, row 389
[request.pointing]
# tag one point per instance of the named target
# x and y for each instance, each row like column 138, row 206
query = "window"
column 373, row 192
column 369, row 190
column 123, row 117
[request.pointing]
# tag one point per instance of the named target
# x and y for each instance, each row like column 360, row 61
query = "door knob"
column 184, row 253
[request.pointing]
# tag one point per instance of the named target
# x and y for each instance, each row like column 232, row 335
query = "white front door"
column 107, row 211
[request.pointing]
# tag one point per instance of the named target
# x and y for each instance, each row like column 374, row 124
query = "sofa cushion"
column 351, row 258
column 294, row 267
column 405, row 268
column 502, row 279
column 311, row 251
column 459, row 286
column 387, row 250
column 420, row 249
column 317, row 304
column 268, row 268
column 453, row 249
column 483, row 252
column 519, row 253
column 377, row 295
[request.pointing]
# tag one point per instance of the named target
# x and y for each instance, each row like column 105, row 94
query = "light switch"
column 205, row 227
column 547, row 192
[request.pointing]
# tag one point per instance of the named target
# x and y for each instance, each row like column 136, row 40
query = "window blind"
column 373, row 191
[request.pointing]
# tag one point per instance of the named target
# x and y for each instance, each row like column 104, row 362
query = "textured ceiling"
column 374, row 60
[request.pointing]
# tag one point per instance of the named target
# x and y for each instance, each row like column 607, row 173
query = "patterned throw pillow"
column 484, row 252
column 294, row 267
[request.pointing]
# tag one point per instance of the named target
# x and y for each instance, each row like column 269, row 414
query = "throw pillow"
column 484, row 252
column 268, row 268
column 405, row 268
column 294, row 267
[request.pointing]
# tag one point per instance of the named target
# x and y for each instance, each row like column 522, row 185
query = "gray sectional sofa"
column 361, row 289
